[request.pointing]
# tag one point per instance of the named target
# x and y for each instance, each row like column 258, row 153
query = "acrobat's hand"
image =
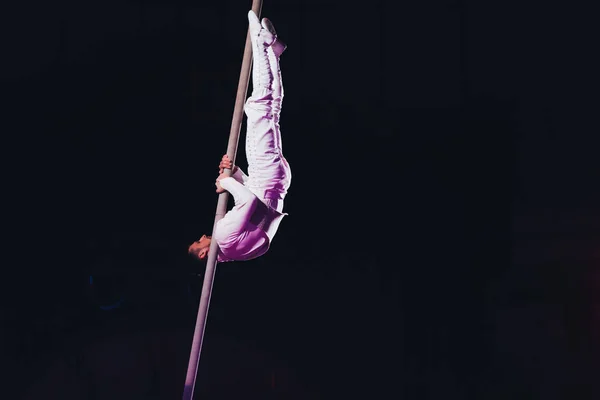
column 226, row 163
column 218, row 184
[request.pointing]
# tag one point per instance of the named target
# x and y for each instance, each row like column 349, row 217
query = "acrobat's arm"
column 237, row 174
column 240, row 176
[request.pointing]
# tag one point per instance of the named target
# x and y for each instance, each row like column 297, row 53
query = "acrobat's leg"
column 262, row 39
column 269, row 172
column 273, row 53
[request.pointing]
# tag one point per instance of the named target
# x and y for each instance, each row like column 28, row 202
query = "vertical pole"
column 211, row 264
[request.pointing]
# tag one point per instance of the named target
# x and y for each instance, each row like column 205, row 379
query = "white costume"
column 247, row 230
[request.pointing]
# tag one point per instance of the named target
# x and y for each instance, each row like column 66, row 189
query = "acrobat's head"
column 199, row 248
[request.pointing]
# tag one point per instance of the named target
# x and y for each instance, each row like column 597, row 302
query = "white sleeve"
column 240, row 176
column 241, row 194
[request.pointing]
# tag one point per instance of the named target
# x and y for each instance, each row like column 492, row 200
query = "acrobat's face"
column 200, row 248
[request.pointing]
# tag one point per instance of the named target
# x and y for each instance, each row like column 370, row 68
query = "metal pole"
column 211, row 263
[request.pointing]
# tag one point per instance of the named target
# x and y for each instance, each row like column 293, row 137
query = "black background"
column 440, row 241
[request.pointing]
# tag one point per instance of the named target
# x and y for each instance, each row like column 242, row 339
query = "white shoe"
column 277, row 45
column 266, row 33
